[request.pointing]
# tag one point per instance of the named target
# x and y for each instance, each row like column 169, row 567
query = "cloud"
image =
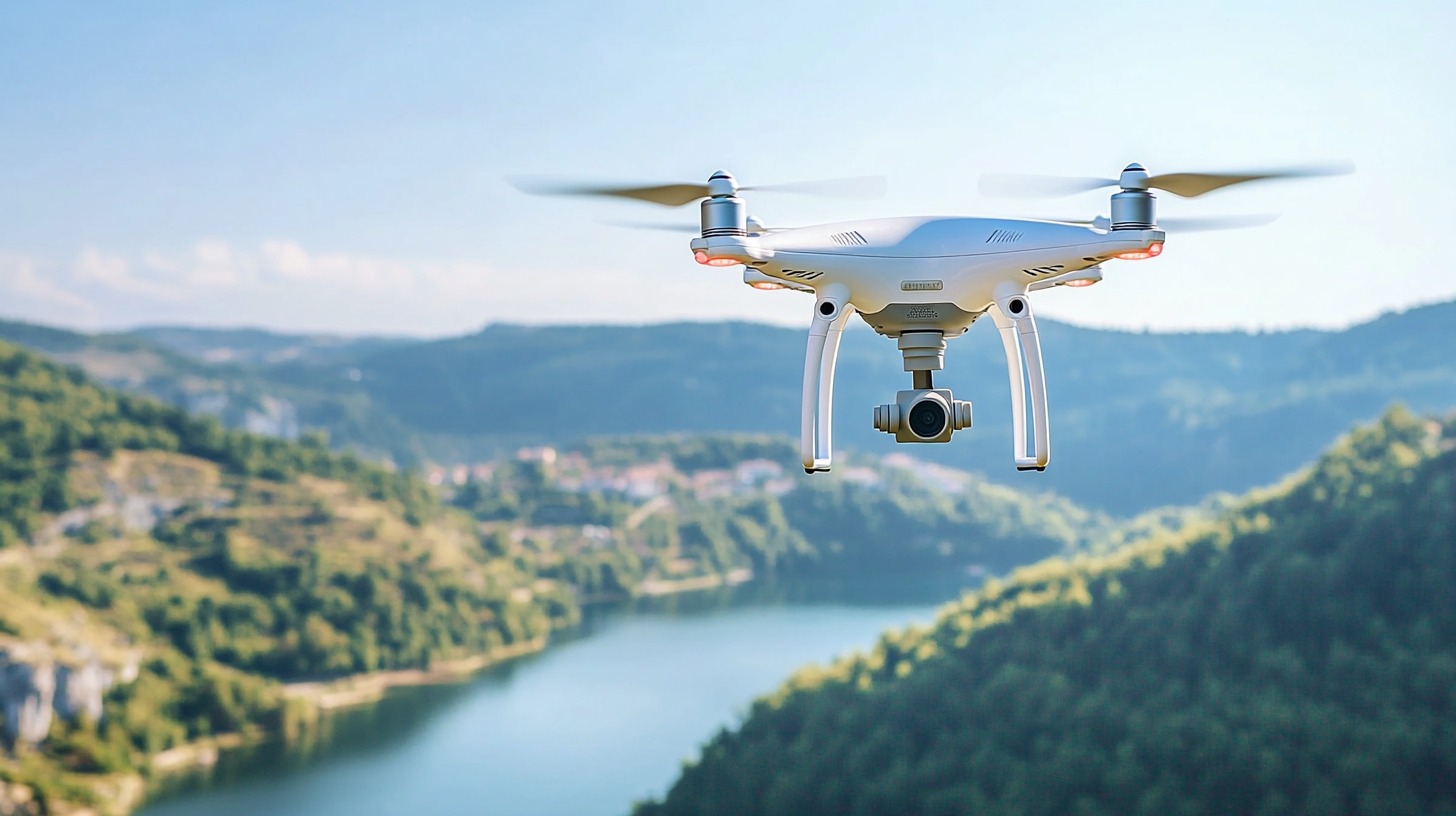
column 114, row 272
column 18, row 274
column 214, row 263
column 279, row 283
column 290, row 261
column 284, row 264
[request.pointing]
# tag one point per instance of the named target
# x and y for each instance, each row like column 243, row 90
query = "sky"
column 341, row 167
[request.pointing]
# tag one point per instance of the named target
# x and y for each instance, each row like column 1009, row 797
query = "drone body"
column 925, row 280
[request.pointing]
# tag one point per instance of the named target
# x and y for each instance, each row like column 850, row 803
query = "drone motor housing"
column 923, row 415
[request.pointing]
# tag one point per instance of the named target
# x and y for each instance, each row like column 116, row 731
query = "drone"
column 924, row 280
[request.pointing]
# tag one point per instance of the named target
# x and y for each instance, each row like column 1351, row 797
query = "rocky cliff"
column 34, row 688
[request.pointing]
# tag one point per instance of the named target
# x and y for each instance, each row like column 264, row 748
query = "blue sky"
column 317, row 166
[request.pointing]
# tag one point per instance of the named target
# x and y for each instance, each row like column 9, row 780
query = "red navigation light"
column 723, row 262
column 700, row 256
column 1154, row 250
column 1080, row 282
column 767, row 286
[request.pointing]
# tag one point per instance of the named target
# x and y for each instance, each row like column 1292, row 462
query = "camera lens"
column 927, row 418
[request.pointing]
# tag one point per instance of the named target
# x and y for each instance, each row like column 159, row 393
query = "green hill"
column 206, row 582
column 1296, row 656
column 1176, row 416
column 225, row 373
column 162, row 576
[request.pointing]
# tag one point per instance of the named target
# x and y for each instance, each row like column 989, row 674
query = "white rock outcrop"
column 34, row 690
column 27, row 696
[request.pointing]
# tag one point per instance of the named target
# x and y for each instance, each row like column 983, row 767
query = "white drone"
column 923, row 280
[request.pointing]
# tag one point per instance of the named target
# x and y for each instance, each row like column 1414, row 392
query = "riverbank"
column 361, row 689
column 305, row 702
column 604, row 716
column 652, row 587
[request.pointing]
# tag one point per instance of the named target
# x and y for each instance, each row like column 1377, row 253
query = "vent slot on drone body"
column 1044, row 270
column 851, row 238
column 1002, row 236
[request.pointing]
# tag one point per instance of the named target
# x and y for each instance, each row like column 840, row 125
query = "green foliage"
column 48, row 413
column 873, row 518
column 292, row 613
column 290, row 562
column 688, row 453
column 1141, row 419
column 850, row 523
column 1298, row 655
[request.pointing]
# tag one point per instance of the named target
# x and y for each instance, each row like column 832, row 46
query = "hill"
column 1246, row 408
column 162, row 576
column 1177, row 416
column 1296, row 656
column 224, row 373
column 167, row 580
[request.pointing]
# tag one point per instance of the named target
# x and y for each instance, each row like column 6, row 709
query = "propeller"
column 655, row 226
column 1203, row 224
column 754, row 225
column 1187, row 185
column 677, row 195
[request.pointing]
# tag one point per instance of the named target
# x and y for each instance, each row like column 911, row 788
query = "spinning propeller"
column 1205, row 224
column 1187, row 185
column 681, row 194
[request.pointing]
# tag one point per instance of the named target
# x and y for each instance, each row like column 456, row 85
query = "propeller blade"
column 1014, row 185
column 1192, row 185
column 1200, row 224
column 655, row 225
column 1216, row 222
column 668, row 195
column 861, row 187
column 677, row 195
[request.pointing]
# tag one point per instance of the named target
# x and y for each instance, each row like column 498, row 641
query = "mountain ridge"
column 1183, row 414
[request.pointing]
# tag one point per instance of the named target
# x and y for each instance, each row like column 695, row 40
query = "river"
column 605, row 716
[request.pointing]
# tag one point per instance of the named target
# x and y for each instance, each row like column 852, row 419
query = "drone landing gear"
column 1012, row 316
column 831, row 313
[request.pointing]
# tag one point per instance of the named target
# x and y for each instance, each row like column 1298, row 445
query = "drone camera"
column 923, row 415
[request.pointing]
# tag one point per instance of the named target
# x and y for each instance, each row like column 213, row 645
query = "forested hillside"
column 1244, row 408
column 225, row 374
column 187, row 571
column 161, row 575
column 722, row 502
column 1296, row 656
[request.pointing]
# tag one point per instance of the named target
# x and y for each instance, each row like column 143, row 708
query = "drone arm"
column 831, row 314
column 1019, row 338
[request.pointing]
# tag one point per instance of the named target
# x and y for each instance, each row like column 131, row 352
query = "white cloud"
column 289, row 260
column 18, row 274
column 214, row 263
column 115, row 273
column 278, row 283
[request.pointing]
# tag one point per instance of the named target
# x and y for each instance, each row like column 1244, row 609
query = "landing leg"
column 831, row 313
column 1013, row 319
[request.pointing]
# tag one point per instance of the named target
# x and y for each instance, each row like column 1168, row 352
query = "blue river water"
column 602, row 718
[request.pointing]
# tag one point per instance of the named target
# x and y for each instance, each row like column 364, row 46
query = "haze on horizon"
column 340, row 168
